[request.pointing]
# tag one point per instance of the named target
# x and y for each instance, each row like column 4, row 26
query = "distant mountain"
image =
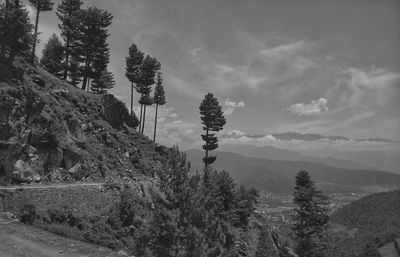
column 274, row 153
column 289, row 136
column 278, row 175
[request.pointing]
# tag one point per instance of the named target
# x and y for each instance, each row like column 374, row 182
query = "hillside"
column 52, row 131
column 277, row 176
column 376, row 219
column 376, row 215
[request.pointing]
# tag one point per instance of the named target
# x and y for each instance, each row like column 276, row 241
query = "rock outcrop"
column 50, row 130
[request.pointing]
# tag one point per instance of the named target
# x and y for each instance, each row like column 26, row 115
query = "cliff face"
column 53, row 131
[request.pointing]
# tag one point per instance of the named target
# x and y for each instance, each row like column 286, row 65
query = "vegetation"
column 15, row 30
column 133, row 68
column 376, row 218
column 53, row 55
column 149, row 69
column 309, row 217
column 68, row 13
column 213, row 120
column 158, row 99
column 41, row 6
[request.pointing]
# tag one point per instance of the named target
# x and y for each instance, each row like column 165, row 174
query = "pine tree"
column 158, row 99
column 41, row 6
column 74, row 71
column 93, row 48
column 133, row 68
column 53, row 54
column 68, row 13
column 15, row 29
column 213, row 120
column 102, row 82
column 149, row 70
column 309, row 217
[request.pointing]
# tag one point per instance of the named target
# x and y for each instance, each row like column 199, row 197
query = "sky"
column 330, row 67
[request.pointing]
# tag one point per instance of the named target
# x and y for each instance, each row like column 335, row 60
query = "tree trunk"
column 141, row 111
column 206, row 158
column 155, row 124
column 131, row 98
column 66, row 59
column 144, row 117
column 36, row 32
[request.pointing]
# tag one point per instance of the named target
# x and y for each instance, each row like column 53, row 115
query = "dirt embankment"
column 17, row 240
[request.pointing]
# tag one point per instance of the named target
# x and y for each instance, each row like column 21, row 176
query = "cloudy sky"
column 312, row 66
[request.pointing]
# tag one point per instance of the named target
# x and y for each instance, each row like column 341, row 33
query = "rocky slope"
column 53, row 131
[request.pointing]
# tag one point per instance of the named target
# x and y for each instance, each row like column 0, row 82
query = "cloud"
column 231, row 106
column 314, row 108
column 361, row 87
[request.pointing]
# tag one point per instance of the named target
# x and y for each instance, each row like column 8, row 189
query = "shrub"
column 28, row 215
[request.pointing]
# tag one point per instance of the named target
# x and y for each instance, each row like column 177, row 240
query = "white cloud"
column 231, row 106
column 375, row 83
column 314, row 108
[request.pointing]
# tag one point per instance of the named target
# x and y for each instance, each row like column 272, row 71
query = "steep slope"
column 377, row 218
column 274, row 153
column 53, row 131
column 278, row 176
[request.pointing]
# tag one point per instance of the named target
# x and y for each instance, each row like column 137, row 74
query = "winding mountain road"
column 44, row 186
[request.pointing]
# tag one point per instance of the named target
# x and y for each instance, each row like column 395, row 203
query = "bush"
column 63, row 216
column 28, row 215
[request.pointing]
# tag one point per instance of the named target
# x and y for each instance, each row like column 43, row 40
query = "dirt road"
column 11, row 188
column 19, row 240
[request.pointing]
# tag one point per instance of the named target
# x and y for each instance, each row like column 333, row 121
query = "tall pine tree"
column 133, row 68
column 213, row 120
column 149, row 70
column 309, row 217
column 53, row 55
column 41, row 6
column 15, row 29
column 68, row 12
column 93, row 49
column 158, row 99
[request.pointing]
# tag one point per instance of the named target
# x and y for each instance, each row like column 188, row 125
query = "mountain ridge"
column 278, row 176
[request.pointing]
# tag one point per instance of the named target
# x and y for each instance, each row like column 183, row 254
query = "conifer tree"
column 93, row 48
column 149, row 70
column 53, row 54
column 158, row 99
column 102, row 82
column 15, row 29
column 74, row 71
column 41, row 6
column 68, row 13
column 213, row 120
column 309, row 217
column 133, row 68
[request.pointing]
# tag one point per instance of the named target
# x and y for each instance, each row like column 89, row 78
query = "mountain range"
column 278, row 175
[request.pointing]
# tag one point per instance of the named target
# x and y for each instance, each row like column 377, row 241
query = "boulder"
column 23, row 173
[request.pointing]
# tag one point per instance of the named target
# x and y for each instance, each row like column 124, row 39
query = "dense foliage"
column 53, row 55
column 15, row 30
column 376, row 218
column 68, row 14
